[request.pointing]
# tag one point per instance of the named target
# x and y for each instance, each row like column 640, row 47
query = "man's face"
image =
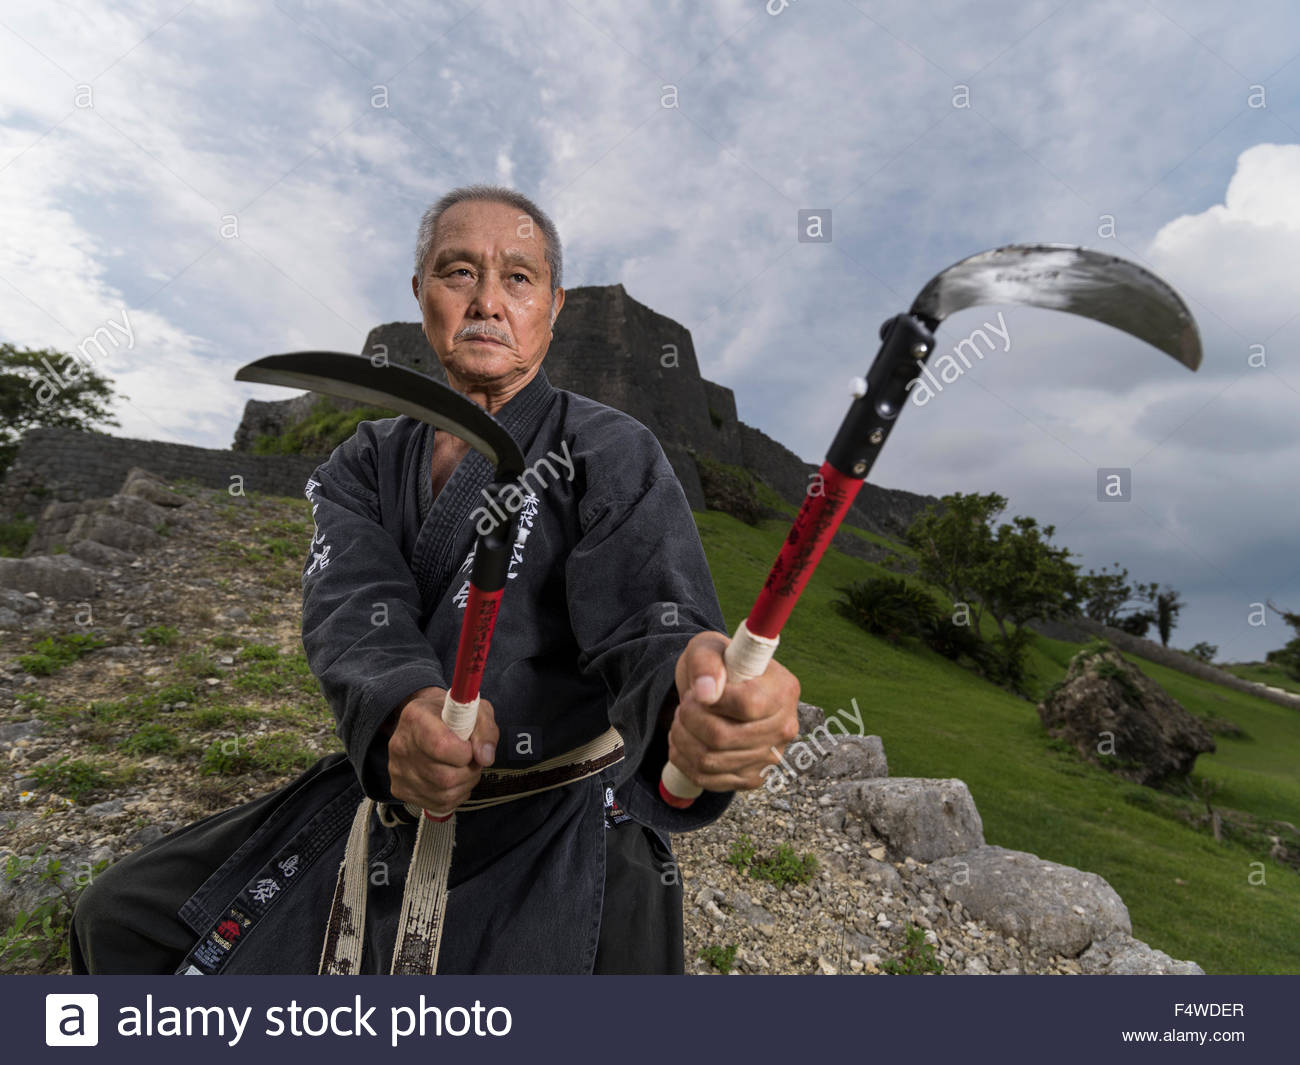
column 485, row 296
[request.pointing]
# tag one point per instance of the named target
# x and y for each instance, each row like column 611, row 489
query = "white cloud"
column 1242, row 257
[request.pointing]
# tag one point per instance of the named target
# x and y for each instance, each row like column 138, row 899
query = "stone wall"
column 64, row 465
column 1078, row 629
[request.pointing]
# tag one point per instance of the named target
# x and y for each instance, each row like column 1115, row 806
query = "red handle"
column 814, row 527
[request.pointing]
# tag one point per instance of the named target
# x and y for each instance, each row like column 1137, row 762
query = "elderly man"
column 610, row 627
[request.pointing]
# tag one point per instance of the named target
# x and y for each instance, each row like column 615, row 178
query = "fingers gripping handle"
column 460, row 718
column 746, row 657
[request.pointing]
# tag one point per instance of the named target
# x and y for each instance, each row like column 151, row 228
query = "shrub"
column 946, row 637
column 888, row 607
column 14, row 536
column 1006, row 659
column 721, row 958
column 782, row 868
column 917, row 958
column 39, row 936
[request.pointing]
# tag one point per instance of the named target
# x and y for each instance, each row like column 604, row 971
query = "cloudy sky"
column 239, row 178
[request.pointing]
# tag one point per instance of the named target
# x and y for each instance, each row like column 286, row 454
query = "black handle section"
column 492, row 553
column 906, row 344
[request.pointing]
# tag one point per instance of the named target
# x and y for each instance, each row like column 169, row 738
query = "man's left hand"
column 725, row 734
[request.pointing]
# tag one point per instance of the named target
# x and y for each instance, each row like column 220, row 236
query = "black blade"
column 1063, row 277
column 397, row 388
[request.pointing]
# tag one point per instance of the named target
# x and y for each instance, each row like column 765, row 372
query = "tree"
column 1204, row 651
column 1288, row 657
column 953, row 540
column 1136, row 623
column 38, row 389
column 1167, row 606
column 1103, row 594
column 1014, row 573
column 1025, row 576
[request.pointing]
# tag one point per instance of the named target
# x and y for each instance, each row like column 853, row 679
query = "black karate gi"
column 608, row 582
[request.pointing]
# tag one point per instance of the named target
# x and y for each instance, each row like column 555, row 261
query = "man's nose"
column 487, row 296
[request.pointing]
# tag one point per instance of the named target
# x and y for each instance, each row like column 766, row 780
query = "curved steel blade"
column 1064, row 277
column 397, row 388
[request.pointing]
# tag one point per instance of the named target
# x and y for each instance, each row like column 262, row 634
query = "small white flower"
column 26, row 797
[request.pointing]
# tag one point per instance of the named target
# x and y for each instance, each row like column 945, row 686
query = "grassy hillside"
column 1188, row 895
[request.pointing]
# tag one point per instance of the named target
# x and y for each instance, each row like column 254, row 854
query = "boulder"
column 1119, row 954
column 126, row 522
column 18, row 602
column 58, row 576
column 810, row 717
column 1114, row 715
column 13, row 731
column 142, row 484
column 1049, row 907
column 917, row 818
column 108, row 529
column 95, row 553
column 848, row 757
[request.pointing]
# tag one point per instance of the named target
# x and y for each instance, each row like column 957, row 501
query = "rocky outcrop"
column 922, row 819
column 1115, row 716
column 1042, row 904
column 75, row 545
column 1076, row 630
column 894, row 853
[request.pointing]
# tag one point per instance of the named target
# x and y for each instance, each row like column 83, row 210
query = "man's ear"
column 415, row 286
column 557, row 301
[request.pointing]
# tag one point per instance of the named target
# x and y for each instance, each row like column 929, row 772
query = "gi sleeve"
column 361, row 610
column 639, row 588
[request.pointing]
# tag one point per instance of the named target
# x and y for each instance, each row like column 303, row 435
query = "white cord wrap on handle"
column 746, row 657
column 460, row 717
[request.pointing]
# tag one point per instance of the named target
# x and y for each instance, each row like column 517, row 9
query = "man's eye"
column 524, row 276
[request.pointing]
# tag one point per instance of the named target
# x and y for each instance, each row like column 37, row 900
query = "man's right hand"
column 428, row 764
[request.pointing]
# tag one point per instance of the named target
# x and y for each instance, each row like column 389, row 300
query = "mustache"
column 491, row 334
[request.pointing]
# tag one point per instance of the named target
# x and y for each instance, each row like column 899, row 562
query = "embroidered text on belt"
column 424, row 901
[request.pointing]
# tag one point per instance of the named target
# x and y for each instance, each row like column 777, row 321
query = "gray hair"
column 493, row 194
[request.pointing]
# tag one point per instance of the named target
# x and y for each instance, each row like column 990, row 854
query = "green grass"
column 320, row 432
column 160, row 635
column 75, row 779
column 151, row 739
column 54, row 652
column 940, row 720
column 263, row 670
column 273, row 752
